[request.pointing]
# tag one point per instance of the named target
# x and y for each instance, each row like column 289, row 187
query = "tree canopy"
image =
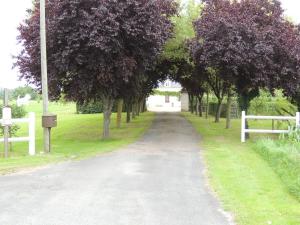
column 248, row 44
column 104, row 50
column 95, row 47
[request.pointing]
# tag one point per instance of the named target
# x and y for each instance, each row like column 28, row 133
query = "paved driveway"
column 157, row 181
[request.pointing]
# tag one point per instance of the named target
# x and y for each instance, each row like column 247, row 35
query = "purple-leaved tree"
column 248, row 44
column 95, row 47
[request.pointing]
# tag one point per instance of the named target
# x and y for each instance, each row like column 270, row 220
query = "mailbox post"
column 49, row 121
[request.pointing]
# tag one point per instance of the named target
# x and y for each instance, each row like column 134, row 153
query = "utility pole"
column 44, row 73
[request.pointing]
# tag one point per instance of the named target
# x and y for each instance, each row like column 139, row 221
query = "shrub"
column 235, row 112
column 89, row 108
column 266, row 104
column 22, row 91
column 94, row 107
column 293, row 136
column 17, row 112
column 167, row 93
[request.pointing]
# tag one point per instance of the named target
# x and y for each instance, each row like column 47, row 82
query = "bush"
column 22, row 91
column 266, row 104
column 94, row 107
column 235, row 112
column 293, row 136
column 89, row 108
column 284, row 157
column 17, row 112
column 167, row 93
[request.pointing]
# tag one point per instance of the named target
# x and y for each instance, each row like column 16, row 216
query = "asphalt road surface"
column 159, row 180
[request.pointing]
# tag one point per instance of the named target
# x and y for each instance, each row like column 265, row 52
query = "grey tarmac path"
column 158, row 180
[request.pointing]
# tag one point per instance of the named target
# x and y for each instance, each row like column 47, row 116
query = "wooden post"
column 44, row 72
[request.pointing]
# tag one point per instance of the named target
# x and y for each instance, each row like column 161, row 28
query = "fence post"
column 31, row 131
column 297, row 119
column 243, row 134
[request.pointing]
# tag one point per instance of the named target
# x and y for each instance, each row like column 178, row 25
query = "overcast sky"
column 12, row 12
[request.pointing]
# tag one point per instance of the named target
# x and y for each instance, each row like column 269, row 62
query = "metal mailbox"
column 49, row 121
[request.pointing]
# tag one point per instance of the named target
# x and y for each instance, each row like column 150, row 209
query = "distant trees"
column 289, row 58
column 22, row 91
column 95, row 47
column 176, row 61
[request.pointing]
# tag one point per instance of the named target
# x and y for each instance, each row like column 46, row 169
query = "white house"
column 165, row 103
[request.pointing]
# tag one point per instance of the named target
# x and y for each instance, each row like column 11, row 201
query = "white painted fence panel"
column 244, row 130
column 31, row 132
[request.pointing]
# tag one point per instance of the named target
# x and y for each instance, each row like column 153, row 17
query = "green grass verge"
column 77, row 136
column 245, row 183
column 284, row 158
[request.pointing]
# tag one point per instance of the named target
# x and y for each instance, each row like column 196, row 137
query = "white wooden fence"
column 244, row 130
column 31, row 132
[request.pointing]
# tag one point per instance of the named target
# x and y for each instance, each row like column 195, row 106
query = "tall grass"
column 284, row 158
column 246, row 184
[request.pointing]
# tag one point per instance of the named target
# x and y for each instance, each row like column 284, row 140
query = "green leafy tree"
column 22, row 91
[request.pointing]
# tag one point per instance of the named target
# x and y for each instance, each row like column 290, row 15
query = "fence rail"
column 31, row 132
column 244, row 118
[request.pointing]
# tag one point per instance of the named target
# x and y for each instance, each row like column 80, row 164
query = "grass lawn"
column 245, row 183
column 284, row 157
column 77, row 136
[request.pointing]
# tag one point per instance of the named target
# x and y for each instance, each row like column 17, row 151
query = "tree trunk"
column 128, row 111
column 298, row 106
column 107, row 108
column 191, row 103
column 244, row 103
column 219, row 110
column 119, row 112
column 77, row 108
column 228, row 110
column 145, row 106
column 200, row 105
column 207, row 105
column 138, row 108
column 133, row 110
column 142, row 106
column 197, row 106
